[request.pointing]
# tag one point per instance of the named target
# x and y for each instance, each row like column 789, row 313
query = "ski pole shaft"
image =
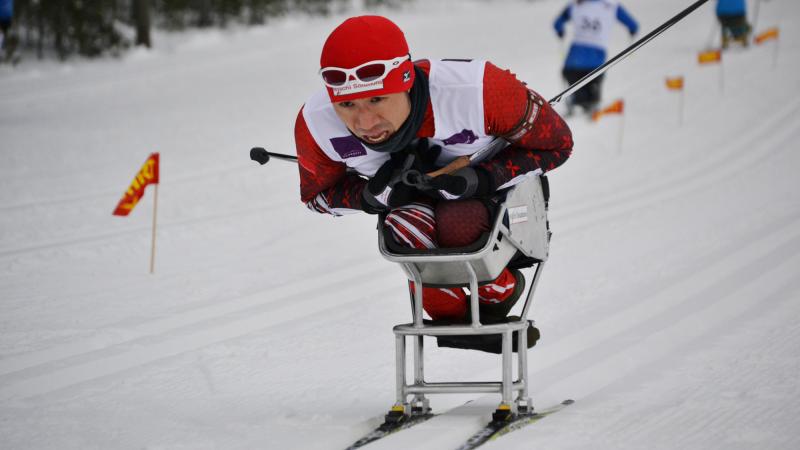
column 627, row 52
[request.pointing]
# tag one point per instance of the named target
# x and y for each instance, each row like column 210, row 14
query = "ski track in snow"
column 37, row 373
column 94, row 237
column 110, row 191
column 694, row 178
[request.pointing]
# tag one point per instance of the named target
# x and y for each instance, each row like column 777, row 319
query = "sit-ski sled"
column 519, row 238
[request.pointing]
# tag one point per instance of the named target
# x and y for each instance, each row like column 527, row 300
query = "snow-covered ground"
column 669, row 307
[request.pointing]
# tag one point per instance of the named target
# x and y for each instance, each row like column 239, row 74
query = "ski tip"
column 568, row 401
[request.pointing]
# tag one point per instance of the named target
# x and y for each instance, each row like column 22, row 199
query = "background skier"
column 592, row 21
column 380, row 114
column 7, row 41
column 732, row 16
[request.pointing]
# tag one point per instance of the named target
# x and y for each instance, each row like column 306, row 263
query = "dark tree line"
column 96, row 27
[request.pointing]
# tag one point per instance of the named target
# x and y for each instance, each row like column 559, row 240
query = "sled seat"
column 519, row 238
column 519, row 233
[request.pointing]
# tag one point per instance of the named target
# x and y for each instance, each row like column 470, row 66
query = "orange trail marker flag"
column 713, row 57
column 709, row 56
column 675, row 83
column 148, row 174
column 770, row 34
column 618, row 107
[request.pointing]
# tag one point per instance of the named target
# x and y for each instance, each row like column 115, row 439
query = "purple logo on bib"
column 348, row 147
column 464, row 137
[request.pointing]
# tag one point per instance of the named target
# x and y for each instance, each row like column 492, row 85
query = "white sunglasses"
column 337, row 77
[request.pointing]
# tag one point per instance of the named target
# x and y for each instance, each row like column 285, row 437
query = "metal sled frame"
column 507, row 239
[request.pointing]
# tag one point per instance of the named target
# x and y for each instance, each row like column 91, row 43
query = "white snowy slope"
column 669, row 307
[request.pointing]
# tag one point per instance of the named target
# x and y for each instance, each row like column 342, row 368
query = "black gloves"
column 393, row 184
column 425, row 156
column 385, row 190
column 464, row 183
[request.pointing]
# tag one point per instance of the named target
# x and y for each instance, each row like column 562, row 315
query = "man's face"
column 375, row 119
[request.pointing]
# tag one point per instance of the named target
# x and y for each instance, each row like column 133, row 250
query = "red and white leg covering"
column 444, row 303
column 414, row 225
column 498, row 290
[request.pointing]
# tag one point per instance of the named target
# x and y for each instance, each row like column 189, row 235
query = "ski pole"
column 627, row 52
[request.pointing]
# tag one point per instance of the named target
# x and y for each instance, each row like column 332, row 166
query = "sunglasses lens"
column 371, row 72
column 334, row 77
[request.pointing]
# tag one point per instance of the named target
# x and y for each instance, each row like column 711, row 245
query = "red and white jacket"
column 471, row 102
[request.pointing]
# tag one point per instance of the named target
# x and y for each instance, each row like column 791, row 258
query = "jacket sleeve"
column 325, row 185
column 540, row 138
column 562, row 19
column 627, row 19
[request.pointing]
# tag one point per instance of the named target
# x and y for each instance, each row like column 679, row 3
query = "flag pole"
column 153, row 240
column 621, row 132
column 710, row 40
column 775, row 54
column 755, row 15
column 680, row 109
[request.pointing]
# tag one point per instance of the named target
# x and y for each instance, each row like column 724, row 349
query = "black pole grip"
column 259, row 155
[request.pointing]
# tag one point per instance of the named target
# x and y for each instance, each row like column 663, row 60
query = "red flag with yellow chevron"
column 147, row 175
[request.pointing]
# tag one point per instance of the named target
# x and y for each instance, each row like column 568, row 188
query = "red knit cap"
column 362, row 39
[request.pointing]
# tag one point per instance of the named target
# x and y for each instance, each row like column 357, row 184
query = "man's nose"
column 366, row 119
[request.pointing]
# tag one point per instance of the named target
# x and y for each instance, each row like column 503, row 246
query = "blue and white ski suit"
column 731, row 7
column 6, row 9
column 592, row 22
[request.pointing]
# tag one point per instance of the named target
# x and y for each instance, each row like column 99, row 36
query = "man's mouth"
column 375, row 138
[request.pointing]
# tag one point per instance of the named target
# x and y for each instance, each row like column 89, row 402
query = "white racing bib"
column 456, row 95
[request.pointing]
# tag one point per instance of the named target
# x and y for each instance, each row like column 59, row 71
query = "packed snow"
column 668, row 309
